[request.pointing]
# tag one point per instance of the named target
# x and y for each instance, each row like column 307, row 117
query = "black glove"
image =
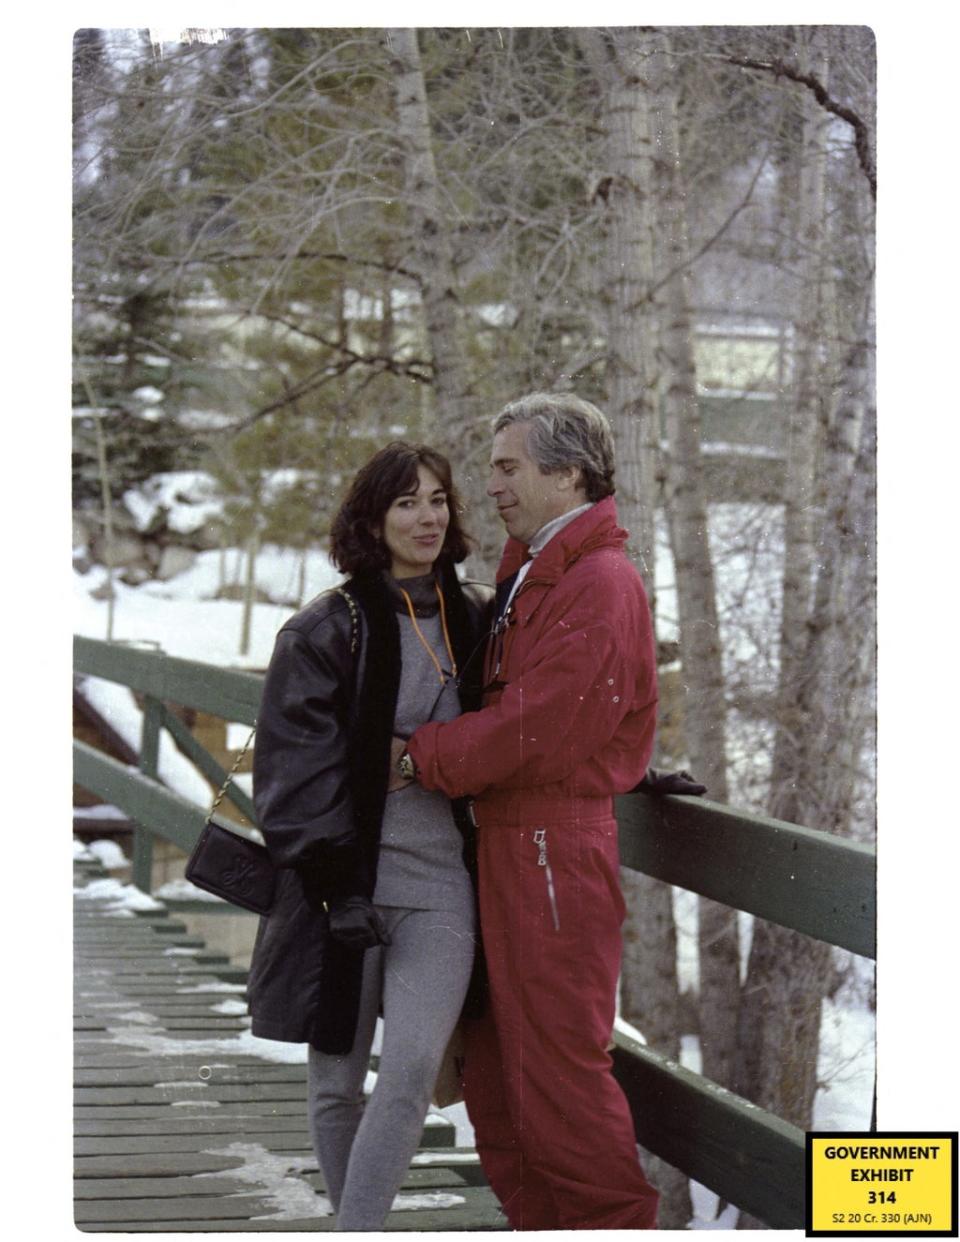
column 681, row 782
column 356, row 923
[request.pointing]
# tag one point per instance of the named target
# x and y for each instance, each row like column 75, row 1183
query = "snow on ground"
column 846, row 1067
column 235, row 1007
column 187, row 497
column 101, row 811
column 273, row 1176
column 109, row 854
column 182, row 617
column 117, row 897
column 183, row 890
column 118, row 706
column 746, row 542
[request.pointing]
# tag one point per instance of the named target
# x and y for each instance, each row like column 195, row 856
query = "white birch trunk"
column 459, row 431
column 649, row 989
column 799, row 521
column 704, row 711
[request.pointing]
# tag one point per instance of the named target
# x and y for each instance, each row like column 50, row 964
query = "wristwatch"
column 405, row 766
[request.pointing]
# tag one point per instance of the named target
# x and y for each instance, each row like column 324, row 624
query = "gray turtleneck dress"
column 420, row 979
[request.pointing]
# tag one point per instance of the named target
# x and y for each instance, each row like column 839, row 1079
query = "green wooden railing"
column 812, row 882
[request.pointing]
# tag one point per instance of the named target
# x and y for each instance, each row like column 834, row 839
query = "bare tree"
column 704, row 708
column 649, row 989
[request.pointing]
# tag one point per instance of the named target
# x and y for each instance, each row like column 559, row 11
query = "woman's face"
column 415, row 525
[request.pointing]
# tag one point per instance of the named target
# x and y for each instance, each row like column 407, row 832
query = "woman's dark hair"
column 390, row 473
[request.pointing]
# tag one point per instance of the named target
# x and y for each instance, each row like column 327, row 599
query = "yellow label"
column 882, row 1183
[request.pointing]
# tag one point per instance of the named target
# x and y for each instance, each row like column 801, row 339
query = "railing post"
column 149, row 766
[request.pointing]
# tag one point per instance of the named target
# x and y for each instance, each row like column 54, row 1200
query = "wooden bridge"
column 178, row 1130
column 179, row 1124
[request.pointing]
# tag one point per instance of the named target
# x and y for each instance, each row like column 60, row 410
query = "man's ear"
column 569, row 478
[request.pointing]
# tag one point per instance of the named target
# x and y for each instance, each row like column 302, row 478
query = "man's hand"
column 681, row 782
column 355, row 922
column 396, row 781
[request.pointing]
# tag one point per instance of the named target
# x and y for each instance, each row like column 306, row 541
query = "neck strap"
column 446, row 635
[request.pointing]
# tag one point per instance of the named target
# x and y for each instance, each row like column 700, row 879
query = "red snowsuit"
column 568, row 720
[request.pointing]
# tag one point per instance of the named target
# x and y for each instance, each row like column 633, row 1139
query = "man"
column 568, row 721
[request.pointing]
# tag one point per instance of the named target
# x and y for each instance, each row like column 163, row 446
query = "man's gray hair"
column 565, row 430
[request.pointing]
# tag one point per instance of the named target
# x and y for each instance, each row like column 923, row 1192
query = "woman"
column 375, row 910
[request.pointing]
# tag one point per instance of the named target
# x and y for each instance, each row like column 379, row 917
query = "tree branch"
column 861, row 131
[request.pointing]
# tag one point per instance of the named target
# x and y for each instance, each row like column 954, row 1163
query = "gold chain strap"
column 354, row 626
column 230, row 776
column 354, row 618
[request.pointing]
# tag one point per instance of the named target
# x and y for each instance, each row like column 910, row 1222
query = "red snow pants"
column 553, row 1129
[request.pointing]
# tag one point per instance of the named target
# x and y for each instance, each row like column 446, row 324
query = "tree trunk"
column 460, row 432
column 626, row 221
column 249, row 589
column 799, row 527
column 649, row 988
column 705, row 708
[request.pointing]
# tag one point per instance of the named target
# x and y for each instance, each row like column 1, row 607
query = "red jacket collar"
column 597, row 528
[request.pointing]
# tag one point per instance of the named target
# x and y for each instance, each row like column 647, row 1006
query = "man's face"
column 527, row 499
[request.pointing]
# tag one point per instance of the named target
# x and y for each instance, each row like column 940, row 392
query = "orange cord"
column 446, row 636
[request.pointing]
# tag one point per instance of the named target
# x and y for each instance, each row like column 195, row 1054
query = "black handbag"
column 234, row 867
column 231, row 866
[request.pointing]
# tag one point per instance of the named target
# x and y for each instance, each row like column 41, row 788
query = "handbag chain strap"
column 354, row 619
column 354, row 627
column 230, row 775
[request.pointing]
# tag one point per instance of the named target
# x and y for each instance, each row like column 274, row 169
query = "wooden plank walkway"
column 180, row 1126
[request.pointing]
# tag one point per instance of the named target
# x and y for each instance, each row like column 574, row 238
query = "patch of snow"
column 452, row 1156
column 118, row 706
column 845, row 1068
column 137, row 1015
column 148, row 394
column 179, row 951
column 456, row 1115
column 102, row 810
column 217, row 985
column 195, row 1104
column 181, row 617
column 686, row 918
column 80, row 852
column 631, row 1032
column 275, row 1177
column 183, row 890
column 242, row 1044
column 205, row 420
column 420, row 1202
column 116, row 896
column 704, row 1208
column 110, row 854
column 230, row 1007
column 188, row 498
column 239, row 735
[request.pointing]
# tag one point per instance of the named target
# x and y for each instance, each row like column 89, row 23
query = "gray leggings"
column 421, row 980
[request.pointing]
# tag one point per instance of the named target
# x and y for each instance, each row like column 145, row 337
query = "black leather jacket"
column 321, row 767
